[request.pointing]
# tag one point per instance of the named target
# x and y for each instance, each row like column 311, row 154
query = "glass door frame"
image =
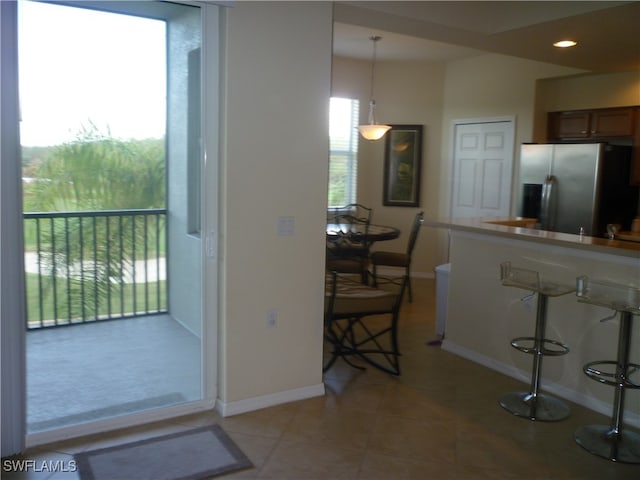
column 14, row 378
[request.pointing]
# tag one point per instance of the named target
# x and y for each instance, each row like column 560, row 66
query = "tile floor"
column 440, row 420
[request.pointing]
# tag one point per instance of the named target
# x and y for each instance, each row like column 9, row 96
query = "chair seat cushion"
column 392, row 259
column 351, row 250
column 356, row 298
column 345, row 265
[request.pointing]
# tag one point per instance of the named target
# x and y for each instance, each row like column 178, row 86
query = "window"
column 343, row 160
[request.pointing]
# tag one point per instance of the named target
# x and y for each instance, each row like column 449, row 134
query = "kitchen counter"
column 483, row 315
column 629, row 236
column 519, row 228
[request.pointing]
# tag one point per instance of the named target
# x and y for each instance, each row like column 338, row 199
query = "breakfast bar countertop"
column 518, row 228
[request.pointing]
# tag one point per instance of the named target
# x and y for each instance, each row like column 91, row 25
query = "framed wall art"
column 402, row 166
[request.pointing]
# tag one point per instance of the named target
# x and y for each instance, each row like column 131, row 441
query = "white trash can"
column 442, row 295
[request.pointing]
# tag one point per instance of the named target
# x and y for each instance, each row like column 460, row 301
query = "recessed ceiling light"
column 565, row 44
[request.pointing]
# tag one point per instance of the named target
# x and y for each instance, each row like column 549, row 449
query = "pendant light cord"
column 374, row 39
column 371, row 130
column 372, row 102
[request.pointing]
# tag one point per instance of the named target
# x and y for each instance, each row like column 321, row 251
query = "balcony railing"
column 94, row 265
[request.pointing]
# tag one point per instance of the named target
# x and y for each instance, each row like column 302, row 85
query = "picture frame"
column 402, row 166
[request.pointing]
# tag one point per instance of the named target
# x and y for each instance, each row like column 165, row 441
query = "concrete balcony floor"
column 92, row 371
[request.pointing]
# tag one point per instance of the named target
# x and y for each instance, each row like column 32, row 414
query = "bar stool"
column 532, row 404
column 612, row 442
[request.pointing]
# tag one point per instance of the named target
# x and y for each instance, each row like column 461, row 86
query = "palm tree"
column 96, row 172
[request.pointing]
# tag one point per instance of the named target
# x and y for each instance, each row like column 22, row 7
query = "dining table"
column 366, row 234
column 348, row 245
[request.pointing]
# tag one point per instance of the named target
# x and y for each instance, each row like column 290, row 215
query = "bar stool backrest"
column 623, row 298
column 533, row 281
column 519, row 277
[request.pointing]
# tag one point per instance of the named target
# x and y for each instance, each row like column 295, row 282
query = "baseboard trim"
column 227, row 409
column 604, row 408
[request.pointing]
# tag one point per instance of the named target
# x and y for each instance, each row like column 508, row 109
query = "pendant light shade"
column 373, row 130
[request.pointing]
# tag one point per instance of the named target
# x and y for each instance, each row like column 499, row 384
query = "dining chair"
column 360, row 213
column 362, row 322
column 348, row 252
column 397, row 259
column 356, row 211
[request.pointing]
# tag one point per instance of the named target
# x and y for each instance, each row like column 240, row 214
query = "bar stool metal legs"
column 533, row 404
column 612, row 442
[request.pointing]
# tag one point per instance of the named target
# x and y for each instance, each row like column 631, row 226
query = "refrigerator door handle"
column 548, row 203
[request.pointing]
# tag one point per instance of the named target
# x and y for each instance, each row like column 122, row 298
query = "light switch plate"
column 286, row 226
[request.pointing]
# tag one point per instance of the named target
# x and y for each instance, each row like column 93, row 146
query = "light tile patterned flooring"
column 440, row 420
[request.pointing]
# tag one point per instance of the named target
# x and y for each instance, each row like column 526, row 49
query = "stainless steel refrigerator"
column 569, row 187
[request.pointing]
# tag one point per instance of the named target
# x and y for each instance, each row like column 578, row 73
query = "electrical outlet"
column 272, row 318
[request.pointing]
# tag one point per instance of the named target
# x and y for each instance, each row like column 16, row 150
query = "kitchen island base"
column 483, row 316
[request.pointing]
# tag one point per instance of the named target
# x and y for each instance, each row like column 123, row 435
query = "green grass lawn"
column 108, row 302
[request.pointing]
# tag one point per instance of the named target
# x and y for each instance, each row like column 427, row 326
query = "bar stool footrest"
column 544, row 408
column 593, row 370
column 600, row 440
column 518, row 344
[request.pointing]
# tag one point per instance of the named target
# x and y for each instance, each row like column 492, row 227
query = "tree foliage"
column 97, row 172
column 91, row 254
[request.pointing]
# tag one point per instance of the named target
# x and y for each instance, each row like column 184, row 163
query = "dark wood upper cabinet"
column 591, row 124
column 615, row 125
column 619, row 122
column 635, row 163
column 563, row 125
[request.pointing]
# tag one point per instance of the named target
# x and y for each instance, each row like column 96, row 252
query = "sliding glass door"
column 111, row 141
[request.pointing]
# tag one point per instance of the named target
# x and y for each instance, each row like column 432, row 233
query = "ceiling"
column 607, row 32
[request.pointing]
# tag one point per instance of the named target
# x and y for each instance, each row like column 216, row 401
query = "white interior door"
column 482, row 168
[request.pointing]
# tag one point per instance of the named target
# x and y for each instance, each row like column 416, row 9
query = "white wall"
column 590, row 91
column 411, row 93
column 277, row 65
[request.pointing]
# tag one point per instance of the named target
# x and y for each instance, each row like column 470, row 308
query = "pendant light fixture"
column 373, row 131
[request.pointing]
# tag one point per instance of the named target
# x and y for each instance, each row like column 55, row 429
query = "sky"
column 78, row 66
column 341, row 121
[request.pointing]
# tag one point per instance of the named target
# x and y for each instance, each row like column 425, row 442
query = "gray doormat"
column 190, row 455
